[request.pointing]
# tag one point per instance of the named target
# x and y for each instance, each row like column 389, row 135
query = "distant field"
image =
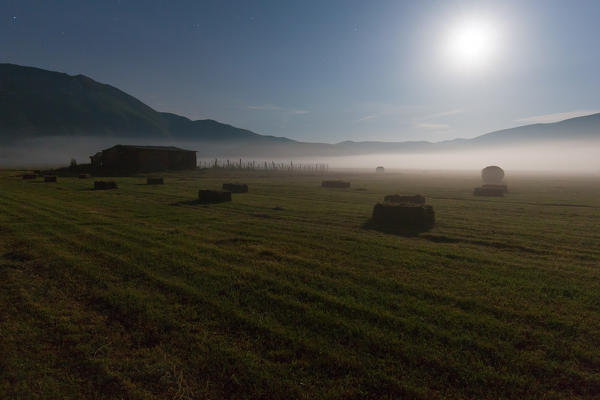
column 141, row 293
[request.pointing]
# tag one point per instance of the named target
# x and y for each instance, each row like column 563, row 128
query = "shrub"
column 29, row 176
column 235, row 187
column 83, row 176
column 335, row 184
column 50, row 179
column 213, row 196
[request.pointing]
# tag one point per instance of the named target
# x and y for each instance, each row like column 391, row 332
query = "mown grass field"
column 141, row 293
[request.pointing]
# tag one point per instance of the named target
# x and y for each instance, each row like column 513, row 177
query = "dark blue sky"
column 323, row 70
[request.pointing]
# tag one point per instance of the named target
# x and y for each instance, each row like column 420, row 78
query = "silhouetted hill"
column 570, row 130
column 37, row 103
column 586, row 127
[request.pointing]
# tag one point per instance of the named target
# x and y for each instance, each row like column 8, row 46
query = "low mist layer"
column 573, row 157
column 558, row 157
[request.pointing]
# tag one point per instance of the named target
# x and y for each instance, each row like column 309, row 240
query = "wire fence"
column 263, row 165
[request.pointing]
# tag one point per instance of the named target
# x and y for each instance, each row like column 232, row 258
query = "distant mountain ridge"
column 38, row 103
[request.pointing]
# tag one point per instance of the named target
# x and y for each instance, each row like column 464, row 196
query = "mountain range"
column 36, row 103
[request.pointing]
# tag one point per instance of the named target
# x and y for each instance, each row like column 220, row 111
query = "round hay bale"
column 335, row 184
column 490, row 191
column 396, row 198
column 29, row 176
column 380, row 170
column 213, row 196
column 105, row 185
column 403, row 216
column 155, row 181
column 50, row 179
column 235, row 187
column 492, row 175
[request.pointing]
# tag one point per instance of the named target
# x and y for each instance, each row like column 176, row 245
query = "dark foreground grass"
column 141, row 292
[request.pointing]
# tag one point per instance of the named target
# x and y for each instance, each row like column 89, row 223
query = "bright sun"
column 471, row 43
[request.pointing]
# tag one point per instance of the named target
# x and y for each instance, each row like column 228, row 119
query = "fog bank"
column 556, row 157
column 572, row 157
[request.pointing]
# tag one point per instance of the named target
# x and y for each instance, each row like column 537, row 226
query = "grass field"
column 140, row 292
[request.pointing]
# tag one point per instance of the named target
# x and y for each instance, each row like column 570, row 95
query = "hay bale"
column 335, row 184
column 403, row 216
column 504, row 188
column 83, row 176
column 396, row 198
column 50, row 179
column 155, row 181
column 492, row 175
column 105, row 185
column 213, row 196
column 235, row 187
column 493, row 191
column 380, row 170
column 29, row 176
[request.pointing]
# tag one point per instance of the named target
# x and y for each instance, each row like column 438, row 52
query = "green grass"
column 140, row 293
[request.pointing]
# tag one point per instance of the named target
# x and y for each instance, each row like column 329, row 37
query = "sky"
column 327, row 71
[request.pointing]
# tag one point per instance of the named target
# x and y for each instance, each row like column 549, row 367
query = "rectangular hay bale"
column 396, row 198
column 213, row 196
column 488, row 191
column 504, row 188
column 105, row 185
column 155, row 181
column 402, row 216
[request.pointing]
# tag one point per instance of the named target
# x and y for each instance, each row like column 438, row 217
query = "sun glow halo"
column 471, row 43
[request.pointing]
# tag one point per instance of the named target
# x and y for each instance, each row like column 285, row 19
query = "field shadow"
column 92, row 189
column 395, row 230
column 261, row 215
column 486, row 243
column 194, row 202
column 17, row 255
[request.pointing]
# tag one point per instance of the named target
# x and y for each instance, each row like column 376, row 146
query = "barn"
column 126, row 159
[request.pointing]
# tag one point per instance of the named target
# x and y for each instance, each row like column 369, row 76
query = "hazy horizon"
column 569, row 157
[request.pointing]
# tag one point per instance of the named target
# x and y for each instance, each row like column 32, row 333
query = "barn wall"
column 182, row 160
column 151, row 160
column 123, row 160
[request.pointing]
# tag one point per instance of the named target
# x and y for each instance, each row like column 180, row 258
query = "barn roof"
column 137, row 147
